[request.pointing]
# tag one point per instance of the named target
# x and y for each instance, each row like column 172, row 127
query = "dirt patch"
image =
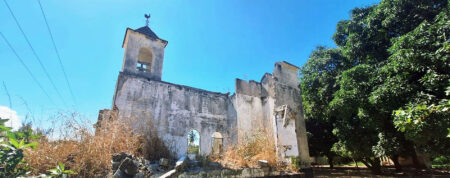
column 387, row 172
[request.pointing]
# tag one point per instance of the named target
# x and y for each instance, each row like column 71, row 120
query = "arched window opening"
column 193, row 142
column 145, row 59
column 217, row 143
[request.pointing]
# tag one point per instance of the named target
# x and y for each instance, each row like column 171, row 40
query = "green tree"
column 193, row 147
column 414, row 82
column 369, row 38
column 356, row 130
column 192, row 137
column 389, row 99
column 318, row 84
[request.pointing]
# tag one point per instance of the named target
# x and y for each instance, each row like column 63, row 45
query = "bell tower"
column 144, row 52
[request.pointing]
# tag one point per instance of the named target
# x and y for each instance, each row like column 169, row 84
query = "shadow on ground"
column 387, row 172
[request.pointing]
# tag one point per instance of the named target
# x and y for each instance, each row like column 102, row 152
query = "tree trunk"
column 373, row 165
column 376, row 166
column 416, row 163
column 330, row 160
column 356, row 163
column 366, row 163
column 397, row 165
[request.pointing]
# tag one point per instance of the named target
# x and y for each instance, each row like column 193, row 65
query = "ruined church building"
column 274, row 103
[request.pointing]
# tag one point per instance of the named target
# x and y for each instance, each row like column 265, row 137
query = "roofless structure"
column 273, row 104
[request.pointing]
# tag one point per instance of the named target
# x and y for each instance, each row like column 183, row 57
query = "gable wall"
column 175, row 110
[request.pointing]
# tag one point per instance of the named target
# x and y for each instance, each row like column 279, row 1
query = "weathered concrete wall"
column 274, row 103
column 175, row 110
column 256, row 105
column 249, row 108
column 287, row 92
column 286, row 73
column 133, row 42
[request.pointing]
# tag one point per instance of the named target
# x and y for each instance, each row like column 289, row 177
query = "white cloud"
column 14, row 119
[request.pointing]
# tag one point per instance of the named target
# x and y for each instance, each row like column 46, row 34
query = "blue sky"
column 211, row 42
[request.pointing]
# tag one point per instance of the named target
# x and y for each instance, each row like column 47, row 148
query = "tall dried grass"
column 153, row 148
column 255, row 145
column 87, row 152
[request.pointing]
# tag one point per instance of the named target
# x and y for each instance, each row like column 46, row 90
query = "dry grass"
column 87, row 152
column 251, row 147
column 256, row 145
column 153, row 148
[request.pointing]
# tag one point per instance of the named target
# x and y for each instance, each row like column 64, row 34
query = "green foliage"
column 192, row 136
column 356, row 130
column 383, row 91
column 60, row 171
column 319, row 78
column 193, row 147
column 441, row 160
column 12, row 163
column 421, row 61
column 427, row 126
column 318, row 83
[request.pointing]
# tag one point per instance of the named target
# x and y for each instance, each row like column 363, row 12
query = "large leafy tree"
column 420, row 60
column 398, row 56
column 356, row 130
column 366, row 39
column 318, row 83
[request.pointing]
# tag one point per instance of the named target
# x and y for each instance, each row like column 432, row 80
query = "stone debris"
column 263, row 163
column 129, row 166
column 139, row 175
column 153, row 167
column 115, row 165
column 170, row 173
column 121, row 174
column 164, row 162
column 181, row 164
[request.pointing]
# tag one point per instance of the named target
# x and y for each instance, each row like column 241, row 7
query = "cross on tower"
column 147, row 16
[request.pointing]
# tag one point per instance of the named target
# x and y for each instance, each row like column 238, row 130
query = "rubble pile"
column 129, row 166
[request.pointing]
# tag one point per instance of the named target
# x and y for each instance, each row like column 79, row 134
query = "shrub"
column 75, row 144
column 60, row 171
column 12, row 163
column 82, row 150
column 153, row 148
column 441, row 160
column 256, row 145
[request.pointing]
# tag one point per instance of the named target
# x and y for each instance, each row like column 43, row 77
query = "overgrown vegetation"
column 82, row 150
column 384, row 90
column 75, row 147
column 12, row 145
column 193, row 146
column 60, row 171
column 254, row 146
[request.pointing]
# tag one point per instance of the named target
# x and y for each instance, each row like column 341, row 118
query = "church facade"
column 273, row 104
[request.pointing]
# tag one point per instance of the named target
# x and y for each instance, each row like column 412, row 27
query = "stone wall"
column 133, row 42
column 256, row 105
column 175, row 110
column 287, row 92
column 273, row 104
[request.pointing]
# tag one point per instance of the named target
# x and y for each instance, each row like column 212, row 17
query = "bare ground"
column 348, row 172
